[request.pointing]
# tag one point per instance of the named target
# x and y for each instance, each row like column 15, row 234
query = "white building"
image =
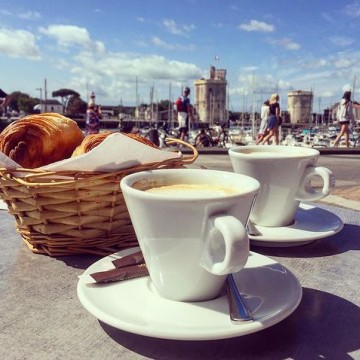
column 50, row 106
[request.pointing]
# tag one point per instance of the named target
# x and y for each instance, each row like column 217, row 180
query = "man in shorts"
column 183, row 112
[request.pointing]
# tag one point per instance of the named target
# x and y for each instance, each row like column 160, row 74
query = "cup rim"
column 292, row 152
column 253, row 185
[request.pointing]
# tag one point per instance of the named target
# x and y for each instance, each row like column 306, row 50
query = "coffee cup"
column 285, row 174
column 190, row 227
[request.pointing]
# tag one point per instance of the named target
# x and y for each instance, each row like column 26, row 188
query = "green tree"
column 65, row 95
column 164, row 105
column 22, row 102
column 76, row 106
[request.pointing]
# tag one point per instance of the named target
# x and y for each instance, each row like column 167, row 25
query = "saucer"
column 270, row 290
column 311, row 223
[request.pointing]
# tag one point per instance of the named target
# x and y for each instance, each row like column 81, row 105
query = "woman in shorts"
column 273, row 121
column 345, row 116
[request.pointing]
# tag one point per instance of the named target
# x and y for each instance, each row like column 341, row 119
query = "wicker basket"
column 83, row 215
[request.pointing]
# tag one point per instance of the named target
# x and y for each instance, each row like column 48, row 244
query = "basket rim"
column 29, row 179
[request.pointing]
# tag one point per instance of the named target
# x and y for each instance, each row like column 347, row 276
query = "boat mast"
column 354, row 86
column 253, row 107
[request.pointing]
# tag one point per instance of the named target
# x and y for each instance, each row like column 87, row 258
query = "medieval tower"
column 210, row 97
column 300, row 106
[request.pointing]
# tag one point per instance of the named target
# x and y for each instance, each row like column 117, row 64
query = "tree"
column 76, row 106
column 164, row 105
column 65, row 95
column 22, row 102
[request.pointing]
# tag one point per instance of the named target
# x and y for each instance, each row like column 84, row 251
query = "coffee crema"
column 193, row 190
column 271, row 154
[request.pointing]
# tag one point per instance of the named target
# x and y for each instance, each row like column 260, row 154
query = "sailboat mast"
column 253, row 106
column 354, row 86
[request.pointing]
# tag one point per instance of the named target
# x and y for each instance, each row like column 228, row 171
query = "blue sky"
column 104, row 46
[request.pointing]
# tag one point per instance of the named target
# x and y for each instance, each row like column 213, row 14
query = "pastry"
column 41, row 139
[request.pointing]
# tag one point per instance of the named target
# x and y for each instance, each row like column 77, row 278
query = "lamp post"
column 40, row 89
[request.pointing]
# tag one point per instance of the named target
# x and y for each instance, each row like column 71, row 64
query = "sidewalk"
column 347, row 198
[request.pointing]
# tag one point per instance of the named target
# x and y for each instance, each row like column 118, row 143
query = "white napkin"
column 116, row 152
column 3, row 205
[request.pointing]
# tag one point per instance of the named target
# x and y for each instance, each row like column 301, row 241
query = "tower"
column 210, row 97
column 300, row 106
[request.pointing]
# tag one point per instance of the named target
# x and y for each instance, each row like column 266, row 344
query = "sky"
column 122, row 49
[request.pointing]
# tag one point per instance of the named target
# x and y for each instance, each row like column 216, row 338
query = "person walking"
column 273, row 121
column 264, row 115
column 93, row 114
column 345, row 116
column 184, row 113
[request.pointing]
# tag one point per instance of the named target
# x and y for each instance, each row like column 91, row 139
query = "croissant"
column 41, row 139
column 93, row 140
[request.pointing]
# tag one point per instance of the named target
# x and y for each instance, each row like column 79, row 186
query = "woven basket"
column 84, row 214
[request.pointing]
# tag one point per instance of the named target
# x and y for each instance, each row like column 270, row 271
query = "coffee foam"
column 193, row 190
column 272, row 154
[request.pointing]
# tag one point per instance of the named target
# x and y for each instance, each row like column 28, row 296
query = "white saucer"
column 311, row 223
column 270, row 290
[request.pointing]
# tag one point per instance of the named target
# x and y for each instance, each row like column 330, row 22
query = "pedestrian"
column 345, row 116
column 264, row 116
column 93, row 114
column 184, row 113
column 273, row 121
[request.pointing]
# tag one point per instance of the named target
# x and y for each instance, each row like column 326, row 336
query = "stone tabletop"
column 42, row 318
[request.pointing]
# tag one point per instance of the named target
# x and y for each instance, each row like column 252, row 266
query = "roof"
column 3, row 94
column 51, row 102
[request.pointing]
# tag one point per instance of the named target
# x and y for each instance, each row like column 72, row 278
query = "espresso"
column 193, row 190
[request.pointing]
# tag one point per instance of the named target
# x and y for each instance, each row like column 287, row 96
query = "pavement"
column 347, row 198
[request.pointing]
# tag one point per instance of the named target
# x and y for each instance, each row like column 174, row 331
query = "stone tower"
column 210, row 97
column 300, row 106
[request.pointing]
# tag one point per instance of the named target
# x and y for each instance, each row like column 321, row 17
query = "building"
column 211, row 98
column 50, row 106
column 300, row 106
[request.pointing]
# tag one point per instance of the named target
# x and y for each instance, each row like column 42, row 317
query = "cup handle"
column 226, row 245
column 308, row 193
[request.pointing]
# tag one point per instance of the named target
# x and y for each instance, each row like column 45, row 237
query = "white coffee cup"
column 191, row 236
column 285, row 173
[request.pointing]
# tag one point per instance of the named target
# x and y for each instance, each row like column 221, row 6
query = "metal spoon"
column 238, row 309
column 251, row 229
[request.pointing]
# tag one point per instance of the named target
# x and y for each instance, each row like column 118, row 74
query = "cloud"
column 285, row 43
column 145, row 66
column 116, row 72
column 315, row 63
column 341, row 41
column 218, row 25
column 5, row 12
column 328, row 17
column 258, row 26
column 249, row 68
column 177, row 29
column 352, row 10
column 160, row 43
column 344, row 62
column 170, row 46
column 69, row 35
column 18, row 43
column 30, row 15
